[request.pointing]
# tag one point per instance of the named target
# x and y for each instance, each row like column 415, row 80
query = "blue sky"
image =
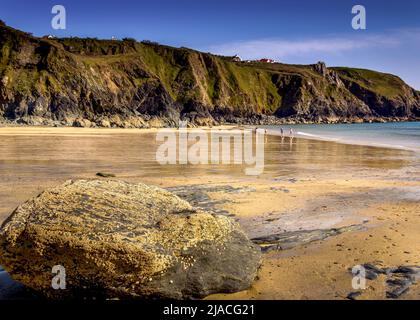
column 294, row 31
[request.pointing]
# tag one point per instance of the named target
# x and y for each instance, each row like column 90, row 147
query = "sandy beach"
column 306, row 186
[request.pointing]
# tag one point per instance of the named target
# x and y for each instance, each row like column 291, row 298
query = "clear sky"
column 294, row 31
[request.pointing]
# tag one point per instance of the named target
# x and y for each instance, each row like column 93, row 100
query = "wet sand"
column 306, row 185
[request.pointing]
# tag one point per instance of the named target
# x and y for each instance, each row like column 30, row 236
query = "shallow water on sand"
column 402, row 135
column 306, row 185
column 32, row 159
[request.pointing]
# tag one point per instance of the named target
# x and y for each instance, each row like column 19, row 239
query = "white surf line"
column 317, row 137
column 311, row 136
column 301, row 133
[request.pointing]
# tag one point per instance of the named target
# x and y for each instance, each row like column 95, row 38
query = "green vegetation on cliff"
column 388, row 85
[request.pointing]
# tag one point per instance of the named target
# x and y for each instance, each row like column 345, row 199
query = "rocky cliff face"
column 87, row 82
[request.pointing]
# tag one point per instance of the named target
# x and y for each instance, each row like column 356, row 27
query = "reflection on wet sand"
column 39, row 158
column 306, row 185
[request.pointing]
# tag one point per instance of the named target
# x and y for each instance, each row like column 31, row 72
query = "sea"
column 400, row 135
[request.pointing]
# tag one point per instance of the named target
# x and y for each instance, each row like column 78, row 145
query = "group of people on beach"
column 291, row 132
column 282, row 134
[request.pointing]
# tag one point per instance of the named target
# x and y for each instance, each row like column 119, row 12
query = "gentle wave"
column 402, row 135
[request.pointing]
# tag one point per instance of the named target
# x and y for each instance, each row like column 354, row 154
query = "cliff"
column 84, row 82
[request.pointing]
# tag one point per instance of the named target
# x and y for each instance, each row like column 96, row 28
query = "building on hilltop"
column 266, row 60
column 236, row 58
column 50, row 36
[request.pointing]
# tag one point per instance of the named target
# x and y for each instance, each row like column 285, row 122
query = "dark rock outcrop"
column 291, row 239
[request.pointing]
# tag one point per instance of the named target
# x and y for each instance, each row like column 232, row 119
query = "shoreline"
column 30, row 130
column 162, row 122
column 302, row 135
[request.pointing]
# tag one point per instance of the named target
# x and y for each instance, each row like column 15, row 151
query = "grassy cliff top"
column 385, row 84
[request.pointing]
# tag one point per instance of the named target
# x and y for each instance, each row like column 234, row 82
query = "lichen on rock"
column 117, row 239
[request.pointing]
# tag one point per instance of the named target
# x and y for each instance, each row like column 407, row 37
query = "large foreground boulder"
column 121, row 240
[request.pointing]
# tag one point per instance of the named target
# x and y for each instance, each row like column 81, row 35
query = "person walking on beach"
column 281, row 132
column 291, row 133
